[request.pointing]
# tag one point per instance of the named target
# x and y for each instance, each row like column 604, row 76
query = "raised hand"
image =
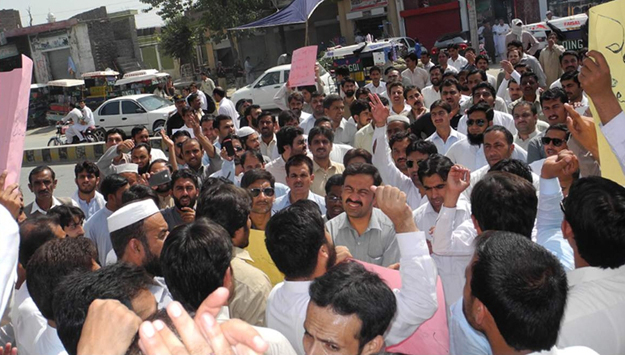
column 10, row 197
column 392, row 202
column 458, row 179
column 379, row 112
column 583, row 130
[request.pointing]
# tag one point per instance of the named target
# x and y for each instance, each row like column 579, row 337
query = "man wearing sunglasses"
column 261, row 185
column 486, row 93
column 554, row 141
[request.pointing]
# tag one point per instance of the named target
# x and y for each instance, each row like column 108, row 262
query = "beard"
column 349, row 93
column 180, row 206
column 152, row 263
column 86, row 191
column 161, row 189
column 475, row 139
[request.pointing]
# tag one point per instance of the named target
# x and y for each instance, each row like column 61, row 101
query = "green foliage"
column 178, row 39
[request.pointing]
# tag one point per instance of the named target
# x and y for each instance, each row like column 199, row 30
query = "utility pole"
column 472, row 11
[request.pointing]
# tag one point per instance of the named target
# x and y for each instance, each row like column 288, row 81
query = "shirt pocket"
column 375, row 249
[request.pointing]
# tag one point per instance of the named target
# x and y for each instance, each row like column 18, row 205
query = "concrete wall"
column 80, row 49
column 10, row 19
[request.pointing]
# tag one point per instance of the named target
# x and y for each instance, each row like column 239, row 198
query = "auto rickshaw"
column 99, row 86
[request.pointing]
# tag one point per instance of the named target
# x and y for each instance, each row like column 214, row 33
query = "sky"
column 65, row 9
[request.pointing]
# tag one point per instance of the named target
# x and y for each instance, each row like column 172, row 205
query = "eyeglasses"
column 268, row 191
column 179, row 145
column 334, row 198
column 556, row 141
column 411, row 163
column 238, row 149
column 479, row 123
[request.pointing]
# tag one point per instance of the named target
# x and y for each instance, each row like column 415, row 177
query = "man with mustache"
column 349, row 89
column 575, row 93
column 334, row 190
column 162, row 191
column 141, row 155
column 569, row 61
column 445, row 136
column 138, row 231
column 42, row 182
column 184, row 186
column 290, row 142
column 366, row 231
column 261, row 185
column 414, row 99
column 432, row 92
column 266, row 127
column 87, row 180
column 334, row 108
column 485, row 93
column 320, row 141
column 299, row 178
column 413, row 75
column 449, row 92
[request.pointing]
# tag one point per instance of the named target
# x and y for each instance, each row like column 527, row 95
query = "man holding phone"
column 160, row 181
column 184, row 186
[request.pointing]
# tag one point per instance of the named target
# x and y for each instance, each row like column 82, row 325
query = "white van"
column 570, row 26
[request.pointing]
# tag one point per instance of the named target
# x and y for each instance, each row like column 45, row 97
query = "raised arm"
column 170, row 147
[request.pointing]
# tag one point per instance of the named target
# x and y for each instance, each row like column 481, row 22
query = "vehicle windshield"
column 152, row 102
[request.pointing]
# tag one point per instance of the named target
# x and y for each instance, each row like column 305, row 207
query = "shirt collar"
column 242, row 254
column 591, row 273
column 317, row 167
column 297, row 286
column 531, row 135
column 374, row 222
column 36, row 207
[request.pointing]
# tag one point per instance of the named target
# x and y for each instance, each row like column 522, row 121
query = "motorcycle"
column 90, row 135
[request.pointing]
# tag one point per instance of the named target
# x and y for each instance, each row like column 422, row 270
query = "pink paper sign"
column 432, row 337
column 303, row 67
column 14, row 96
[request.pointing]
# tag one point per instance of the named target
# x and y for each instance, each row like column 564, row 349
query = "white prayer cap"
column 245, row 131
column 131, row 213
column 126, row 168
column 398, row 118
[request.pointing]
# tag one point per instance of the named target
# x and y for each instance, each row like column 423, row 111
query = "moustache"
column 352, row 201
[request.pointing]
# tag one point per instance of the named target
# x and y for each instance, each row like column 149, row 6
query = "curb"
column 72, row 153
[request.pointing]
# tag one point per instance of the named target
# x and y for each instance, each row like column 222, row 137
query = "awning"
column 298, row 11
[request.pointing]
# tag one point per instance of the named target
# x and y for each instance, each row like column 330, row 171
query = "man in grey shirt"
column 366, row 231
column 184, row 186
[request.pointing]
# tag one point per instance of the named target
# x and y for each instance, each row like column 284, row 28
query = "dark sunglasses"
column 268, row 191
column 556, row 141
column 238, row 149
column 179, row 145
column 479, row 123
column 411, row 163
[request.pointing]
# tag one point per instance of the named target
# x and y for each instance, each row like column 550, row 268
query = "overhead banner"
column 358, row 5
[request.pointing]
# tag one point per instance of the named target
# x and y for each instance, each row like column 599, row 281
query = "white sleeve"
column 280, row 98
column 462, row 125
column 454, row 234
column 9, row 243
column 416, row 300
column 382, row 160
column 613, row 132
column 503, row 88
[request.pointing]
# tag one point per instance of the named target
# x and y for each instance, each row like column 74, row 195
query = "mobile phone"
column 227, row 143
column 160, row 178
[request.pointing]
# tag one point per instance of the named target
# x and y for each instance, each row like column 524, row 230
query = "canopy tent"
column 298, row 11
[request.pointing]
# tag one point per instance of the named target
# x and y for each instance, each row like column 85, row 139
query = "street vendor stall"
column 38, row 105
column 99, row 86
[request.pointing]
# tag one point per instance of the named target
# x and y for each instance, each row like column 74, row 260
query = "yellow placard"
column 262, row 259
column 607, row 35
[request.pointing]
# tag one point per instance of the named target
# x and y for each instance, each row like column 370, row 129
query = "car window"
column 129, row 107
column 322, row 71
column 411, row 43
column 272, row 78
column 286, row 76
column 112, row 108
column 152, row 102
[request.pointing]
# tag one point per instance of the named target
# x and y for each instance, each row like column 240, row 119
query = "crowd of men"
column 250, row 232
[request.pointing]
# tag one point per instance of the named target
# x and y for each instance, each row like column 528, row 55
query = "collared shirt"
column 416, row 300
column 403, row 112
column 459, row 63
column 89, row 208
column 269, row 148
column 364, row 138
column 87, row 115
column 472, row 156
column 161, row 292
column 285, row 201
column 251, row 289
column 419, row 77
column 479, row 174
column 226, row 107
column 277, row 168
column 203, row 101
column 377, row 245
column 380, row 89
column 391, row 175
column 97, row 229
column 499, row 119
column 33, row 334
column 443, row 146
column 550, row 61
column 172, row 217
column 207, row 86
column 36, row 209
column 345, row 133
column 613, row 132
column 524, row 143
column 430, row 95
column 450, row 267
column 322, row 175
column 307, row 123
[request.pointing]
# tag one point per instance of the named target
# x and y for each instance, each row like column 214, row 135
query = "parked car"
column 127, row 112
column 461, row 38
column 569, row 27
column 265, row 87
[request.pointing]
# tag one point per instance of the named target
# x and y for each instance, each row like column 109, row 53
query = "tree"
column 215, row 15
column 178, row 39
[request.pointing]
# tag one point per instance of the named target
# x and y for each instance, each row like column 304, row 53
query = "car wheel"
column 158, row 125
column 99, row 134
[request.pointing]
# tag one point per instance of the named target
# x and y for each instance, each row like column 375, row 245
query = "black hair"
column 375, row 68
column 412, row 56
column 343, row 70
column 347, row 80
column 400, row 136
column 505, row 202
column 421, row 146
column 308, row 88
column 35, row 232
column 325, row 131
column 483, row 107
column 88, row 167
column 554, row 94
column 157, row 161
column 137, row 129
column 111, row 184
column 482, row 57
column 434, row 67
column 357, row 152
column 227, row 205
column 254, row 175
column 65, row 214
column 569, row 52
column 297, row 160
column 330, row 99
column 191, row 282
column 293, row 238
column 361, row 91
column 287, row 116
column 219, row 119
column 190, row 100
column 502, row 129
column 115, row 131
column 435, row 164
column 181, row 133
column 321, row 120
column 286, row 136
column 334, row 180
column 453, row 45
column 570, row 75
column 256, row 153
column 143, row 145
column 295, row 96
column 40, row 169
column 559, row 127
column 394, row 85
column 523, row 286
column 515, row 167
column 529, row 74
column 74, row 295
column 219, row 91
column 51, row 263
column 184, row 174
column 478, row 71
column 358, row 106
column 487, row 85
column 451, row 82
column 532, row 106
column 389, row 69
column 515, row 43
column 595, row 210
column 442, row 104
column 363, row 169
column 139, row 192
column 348, row 288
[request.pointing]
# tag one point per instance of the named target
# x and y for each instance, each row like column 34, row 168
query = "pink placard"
column 303, row 67
column 14, row 96
column 432, row 337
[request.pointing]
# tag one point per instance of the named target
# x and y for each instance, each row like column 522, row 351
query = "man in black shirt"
column 450, row 92
column 175, row 120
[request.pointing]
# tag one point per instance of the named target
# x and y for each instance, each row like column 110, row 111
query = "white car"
column 263, row 89
column 126, row 112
